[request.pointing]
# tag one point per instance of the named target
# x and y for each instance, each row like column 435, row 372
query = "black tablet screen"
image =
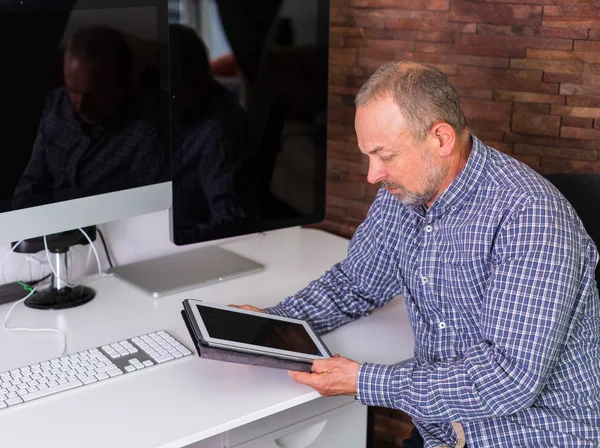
column 256, row 330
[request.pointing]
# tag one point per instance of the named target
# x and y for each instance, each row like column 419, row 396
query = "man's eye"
column 386, row 158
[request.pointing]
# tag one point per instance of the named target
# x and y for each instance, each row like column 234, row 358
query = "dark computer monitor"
column 84, row 123
column 250, row 113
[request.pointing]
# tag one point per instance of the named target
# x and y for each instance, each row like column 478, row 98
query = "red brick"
column 553, row 151
column 569, row 22
column 552, row 141
column 585, row 101
column 590, row 79
column 506, row 148
column 530, row 108
column 486, row 109
column 535, row 124
column 429, row 47
column 580, row 133
column 593, row 35
column 346, row 70
column 343, row 56
column 480, row 61
column 435, row 36
column 577, row 122
column 532, row 161
column 509, row 14
column 395, row 14
column 528, row 97
column 380, row 33
column 531, row 31
column 587, row 45
column 549, row 2
column 553, row 165
column 447, row 69
column 340, row 16
column 340, row 132
column 483, row 94
column 491, row 50
column 489, row 134
column 379, row 44
column 517, row 41
column 549, row 66
column 575, row 111
column 517, row 80
column 576, row 89
column 480, row 125
column 597, row 123
column 437, row 5
column 584, row 56
column 591, row 68
column 350, row 190
column 341, row 114
column 431, row 25
column 573, row 10
column 342, row 90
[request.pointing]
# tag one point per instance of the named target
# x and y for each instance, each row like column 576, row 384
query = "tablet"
column 253, row 332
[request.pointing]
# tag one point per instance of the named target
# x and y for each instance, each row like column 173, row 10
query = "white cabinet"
column 341, row 423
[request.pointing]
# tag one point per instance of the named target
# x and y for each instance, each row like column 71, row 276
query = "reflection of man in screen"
column 211, row 153
column 94, row 134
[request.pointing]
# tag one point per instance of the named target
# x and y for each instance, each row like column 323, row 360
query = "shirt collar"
column 464, row 185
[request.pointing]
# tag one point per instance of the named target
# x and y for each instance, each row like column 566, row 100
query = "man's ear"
column 444, row 137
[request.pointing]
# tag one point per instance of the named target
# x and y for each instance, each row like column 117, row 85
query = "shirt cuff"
column 277, row 310
column 374, row 384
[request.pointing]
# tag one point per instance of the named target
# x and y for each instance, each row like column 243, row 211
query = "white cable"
column 52, row 267
column 55, row 330
column 6, row 257
column 94, row 248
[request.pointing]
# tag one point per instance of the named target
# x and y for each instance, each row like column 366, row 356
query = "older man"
column 495, row 267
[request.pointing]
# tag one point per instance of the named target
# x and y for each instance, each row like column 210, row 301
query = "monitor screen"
column 84, row 116
column 249, row 89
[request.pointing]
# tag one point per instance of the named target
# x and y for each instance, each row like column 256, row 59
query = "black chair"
column 583, row 192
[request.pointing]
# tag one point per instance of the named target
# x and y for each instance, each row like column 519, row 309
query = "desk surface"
column 189, row 399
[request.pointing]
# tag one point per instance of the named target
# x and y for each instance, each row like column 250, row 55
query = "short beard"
column 432, row 176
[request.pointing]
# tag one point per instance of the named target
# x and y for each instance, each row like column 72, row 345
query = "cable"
column 12, row 249
column 110, row 263
column 31, row 290
column 94, row 249
column 39, row 280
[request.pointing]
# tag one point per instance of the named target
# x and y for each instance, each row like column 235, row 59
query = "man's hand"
column 248, row 307
column 333, row 376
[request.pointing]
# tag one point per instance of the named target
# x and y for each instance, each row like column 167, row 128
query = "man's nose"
column 376, row 173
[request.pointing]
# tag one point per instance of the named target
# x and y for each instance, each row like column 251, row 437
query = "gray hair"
column 423, row 94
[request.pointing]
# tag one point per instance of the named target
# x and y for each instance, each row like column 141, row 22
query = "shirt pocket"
column 464, row 283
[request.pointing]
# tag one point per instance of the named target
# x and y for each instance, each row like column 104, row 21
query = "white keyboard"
column 88, row 366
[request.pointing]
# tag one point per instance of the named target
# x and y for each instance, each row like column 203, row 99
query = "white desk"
column 192, row 401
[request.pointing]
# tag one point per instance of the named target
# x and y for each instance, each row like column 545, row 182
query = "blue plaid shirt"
column 498, row 280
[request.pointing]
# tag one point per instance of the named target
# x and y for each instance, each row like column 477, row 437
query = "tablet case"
column 223, row 354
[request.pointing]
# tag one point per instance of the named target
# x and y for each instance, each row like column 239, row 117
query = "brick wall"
column 527, row 71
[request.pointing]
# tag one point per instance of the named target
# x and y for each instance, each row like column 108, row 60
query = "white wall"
column 128, row 240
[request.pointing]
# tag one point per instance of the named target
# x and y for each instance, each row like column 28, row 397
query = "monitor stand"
column 186, row 270
column 61, row 294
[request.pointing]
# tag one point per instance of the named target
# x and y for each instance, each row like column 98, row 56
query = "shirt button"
column 424, row 280
column 428, row 228
column 453, row 208
column 442, row 325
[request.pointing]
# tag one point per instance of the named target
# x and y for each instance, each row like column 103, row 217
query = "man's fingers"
column 301, row 377
column 247, row 307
